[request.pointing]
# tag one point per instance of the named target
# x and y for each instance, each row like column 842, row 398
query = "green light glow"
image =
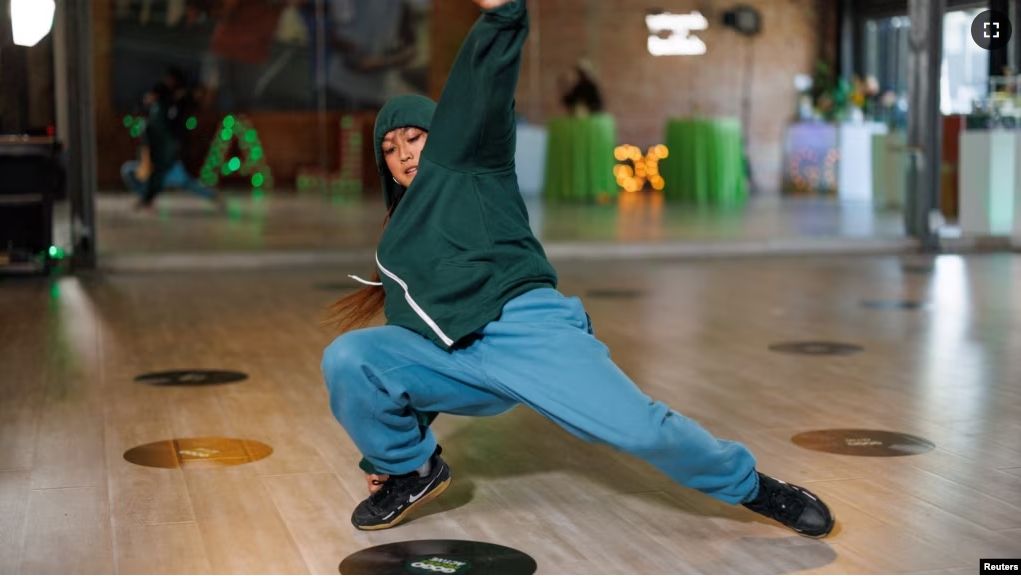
column 191, row 123
column 250, row 161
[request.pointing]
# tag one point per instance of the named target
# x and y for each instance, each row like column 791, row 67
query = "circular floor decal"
column 198, row 452
column 613, row 294
column 817, row 348
column 191, row 377
column 438, row 557
column 894, row 304
column 877, row 443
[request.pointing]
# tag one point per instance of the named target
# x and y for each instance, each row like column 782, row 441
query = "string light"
column 134, row 124
column 217, row 164
column 250, row 163
column 807, row 172
column 642, row 168
column 347, row 181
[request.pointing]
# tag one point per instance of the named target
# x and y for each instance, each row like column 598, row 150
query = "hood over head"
column 400, row 111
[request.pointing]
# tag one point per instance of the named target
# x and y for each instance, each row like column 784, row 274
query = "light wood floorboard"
column 68, row 532
column 696, row 336
column 14, row 492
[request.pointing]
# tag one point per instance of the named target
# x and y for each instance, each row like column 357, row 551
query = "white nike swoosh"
column 412, row 499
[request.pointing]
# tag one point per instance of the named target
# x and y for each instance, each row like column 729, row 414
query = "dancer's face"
column 402, row 148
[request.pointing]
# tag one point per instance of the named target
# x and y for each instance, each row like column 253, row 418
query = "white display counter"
column 889, row 169
column 854, row 171
column 990, row 183
column 530, row 159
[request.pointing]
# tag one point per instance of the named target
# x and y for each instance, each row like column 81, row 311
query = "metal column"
column 925, row 126
column 1000, row 58
column 847, row 40
column 75, row 34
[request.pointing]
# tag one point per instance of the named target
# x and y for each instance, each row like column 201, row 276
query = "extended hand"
column 490, row 4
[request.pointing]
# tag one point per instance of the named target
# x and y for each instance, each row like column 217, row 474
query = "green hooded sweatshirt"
column 458, row 245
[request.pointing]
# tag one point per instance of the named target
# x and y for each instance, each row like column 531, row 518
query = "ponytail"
column 357, row 310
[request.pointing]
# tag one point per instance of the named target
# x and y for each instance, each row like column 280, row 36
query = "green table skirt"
column 579, row 158
column 705, row 163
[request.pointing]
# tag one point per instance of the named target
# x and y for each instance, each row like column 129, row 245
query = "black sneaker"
column 792, row 506
column 399, row 495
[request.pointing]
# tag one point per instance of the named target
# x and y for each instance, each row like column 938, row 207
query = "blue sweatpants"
column 174, row 177
column 541, row 353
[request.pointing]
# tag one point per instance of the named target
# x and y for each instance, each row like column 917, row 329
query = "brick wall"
column 641, row 90
column 451, row 21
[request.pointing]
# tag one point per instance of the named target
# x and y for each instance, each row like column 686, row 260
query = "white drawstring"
column 366, row 282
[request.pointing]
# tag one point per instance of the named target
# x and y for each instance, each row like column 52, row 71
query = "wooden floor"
column 696, row 336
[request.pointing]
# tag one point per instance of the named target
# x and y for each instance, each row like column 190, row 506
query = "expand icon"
column 991, row 30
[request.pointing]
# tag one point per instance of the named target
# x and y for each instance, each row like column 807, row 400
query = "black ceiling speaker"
column 744, row 19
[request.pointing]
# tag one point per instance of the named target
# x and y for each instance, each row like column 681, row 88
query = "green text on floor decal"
column 439, row 565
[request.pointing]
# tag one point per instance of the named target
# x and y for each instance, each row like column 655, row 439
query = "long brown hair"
column 357, row 310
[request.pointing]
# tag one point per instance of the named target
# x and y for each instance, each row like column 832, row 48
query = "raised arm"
column 473, row 128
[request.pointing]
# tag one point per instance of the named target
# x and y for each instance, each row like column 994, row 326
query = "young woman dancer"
column 475, row 324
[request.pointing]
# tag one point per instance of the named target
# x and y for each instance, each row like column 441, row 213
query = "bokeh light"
column 642, row 170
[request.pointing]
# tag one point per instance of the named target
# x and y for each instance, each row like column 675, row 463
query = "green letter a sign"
column 250, row 162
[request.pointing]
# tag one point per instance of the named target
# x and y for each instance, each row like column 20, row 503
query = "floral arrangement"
column 838, row 99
